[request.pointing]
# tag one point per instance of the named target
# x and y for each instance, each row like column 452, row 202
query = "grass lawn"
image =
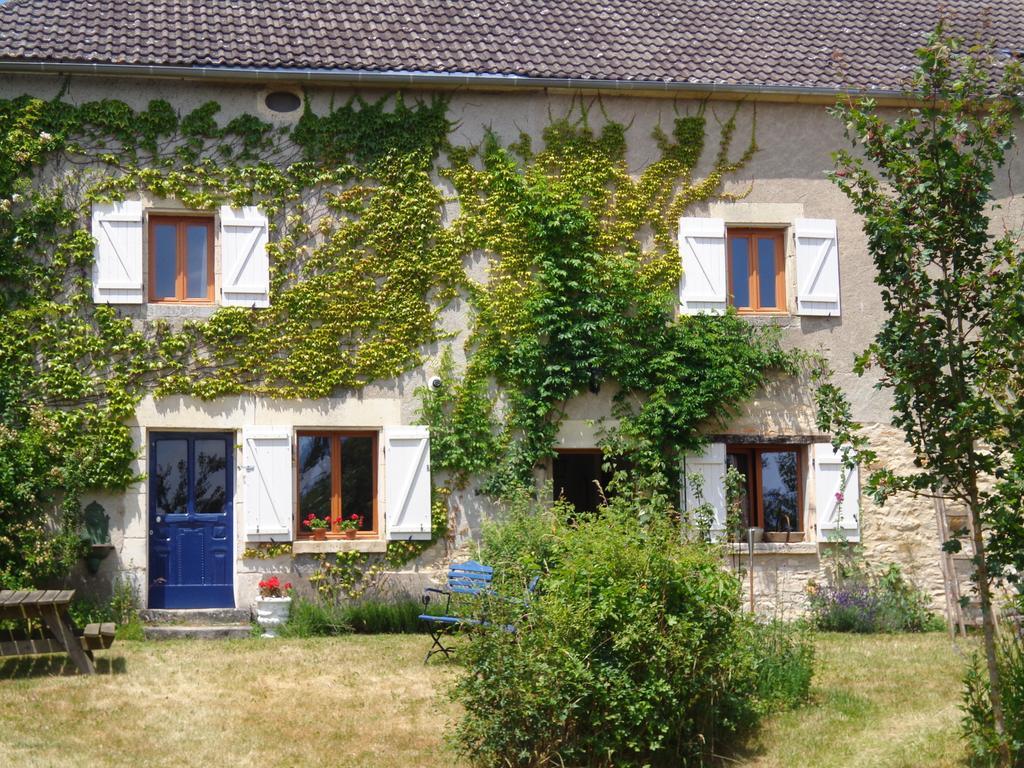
column 369, row 701
column 878, row 701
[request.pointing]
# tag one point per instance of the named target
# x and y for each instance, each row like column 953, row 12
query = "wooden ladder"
column 950, row 577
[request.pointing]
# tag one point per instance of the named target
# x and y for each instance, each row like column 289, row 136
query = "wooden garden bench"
column 470, row 579
column 59, row 634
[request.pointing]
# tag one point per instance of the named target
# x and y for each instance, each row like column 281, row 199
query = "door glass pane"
column 170, row 484
column 211, row 457
column 165, row 264
column 766, row 272
column 741, row 462
column 196, row 266
column 314, row 478
column 778, row 491
column 739, row 271
column 357, row 479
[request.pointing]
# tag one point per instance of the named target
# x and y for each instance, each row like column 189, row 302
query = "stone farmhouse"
column 225, row 476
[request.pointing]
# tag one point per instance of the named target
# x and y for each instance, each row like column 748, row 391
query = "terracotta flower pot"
column 349, row 534
column 319, row 534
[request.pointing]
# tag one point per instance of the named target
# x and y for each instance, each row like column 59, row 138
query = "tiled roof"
column 831, row 44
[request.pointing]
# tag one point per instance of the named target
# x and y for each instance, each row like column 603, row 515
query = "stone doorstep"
column 202, row 617
column 202, row 632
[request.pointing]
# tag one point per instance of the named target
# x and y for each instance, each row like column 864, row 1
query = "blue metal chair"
column 471, row 579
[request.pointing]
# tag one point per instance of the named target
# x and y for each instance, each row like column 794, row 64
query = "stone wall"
column 902, row 531
column 784, row 180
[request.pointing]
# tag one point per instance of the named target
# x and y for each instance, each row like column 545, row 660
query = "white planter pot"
column 271, row 613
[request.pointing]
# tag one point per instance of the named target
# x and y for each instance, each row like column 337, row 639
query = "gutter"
column 443, row 80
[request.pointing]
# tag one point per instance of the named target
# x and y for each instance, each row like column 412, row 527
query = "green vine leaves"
column 577, row 293
column 581, row 287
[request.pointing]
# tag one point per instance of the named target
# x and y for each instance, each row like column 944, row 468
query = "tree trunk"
column 989, row 628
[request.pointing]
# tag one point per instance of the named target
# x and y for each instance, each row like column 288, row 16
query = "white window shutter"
column 117, row 258
column 267, row 483
column 704, row 285
column 245, row 267
column 817, row 267
column 836, row 495
column 711, row 467
column 407, row 466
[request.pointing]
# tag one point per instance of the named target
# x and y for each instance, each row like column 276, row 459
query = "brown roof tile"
column 833, row 44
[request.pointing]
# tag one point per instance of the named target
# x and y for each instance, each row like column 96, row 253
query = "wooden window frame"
column 181, row 250
column 753, row 276
column 336, row 470
column 753, row 452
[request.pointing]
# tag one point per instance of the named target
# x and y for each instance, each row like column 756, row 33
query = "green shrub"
column 316, row 618
column 859, row 599
column 785, row 663
column 375, row 617
column 978, row 724
column 122, row 608
column 313, row 618
column 902, row 606
column 633, row 651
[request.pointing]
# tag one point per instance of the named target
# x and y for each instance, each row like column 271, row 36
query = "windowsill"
column 769, row 318
column 311, row 547
column 764, row 548
column 167, row 309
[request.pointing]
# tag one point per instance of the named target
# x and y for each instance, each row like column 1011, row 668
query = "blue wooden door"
column 191, row 489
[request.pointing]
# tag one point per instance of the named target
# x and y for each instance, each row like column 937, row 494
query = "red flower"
column 354, row 517
column 287, row 585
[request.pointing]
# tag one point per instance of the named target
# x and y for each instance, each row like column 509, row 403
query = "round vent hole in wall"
column 282, row 102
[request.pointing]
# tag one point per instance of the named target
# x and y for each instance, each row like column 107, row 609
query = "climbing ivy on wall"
column 580, row 290
column 356, row 282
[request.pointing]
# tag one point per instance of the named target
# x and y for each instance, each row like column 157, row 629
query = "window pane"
column 766, row 271
column 211, row 476
column 741, row 461
column 171, row 482
column 778, row 491
column 165, row 260
column 314, row 478
column 739, row 271
column 196, row 267
column 357, row 479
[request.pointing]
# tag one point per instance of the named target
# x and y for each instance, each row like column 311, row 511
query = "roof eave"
column 447, row 81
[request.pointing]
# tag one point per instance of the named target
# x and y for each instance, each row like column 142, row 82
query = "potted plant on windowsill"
column 350, row 526
column 785, row 533
column 318, row 525
column 273, row 605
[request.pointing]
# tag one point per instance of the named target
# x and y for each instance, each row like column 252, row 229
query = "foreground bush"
column 978, row 724
column 633, row 651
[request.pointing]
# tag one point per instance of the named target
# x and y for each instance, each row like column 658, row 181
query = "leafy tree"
column 949, row 349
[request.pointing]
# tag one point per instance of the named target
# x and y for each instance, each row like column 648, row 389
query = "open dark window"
column 579, row 479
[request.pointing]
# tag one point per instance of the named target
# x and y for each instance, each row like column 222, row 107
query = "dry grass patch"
column 880, row 701
column 352, row 701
